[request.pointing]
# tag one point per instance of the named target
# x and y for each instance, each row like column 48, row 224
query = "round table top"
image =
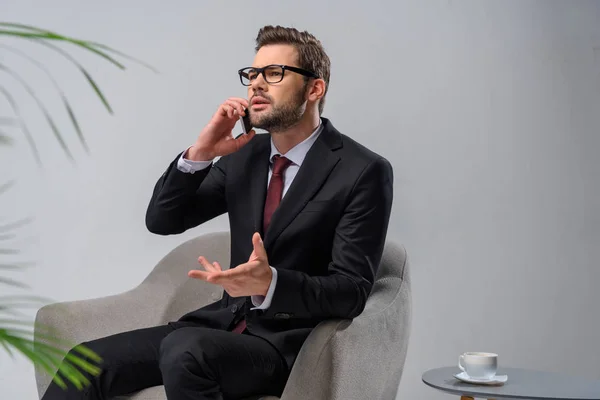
column 521, row 384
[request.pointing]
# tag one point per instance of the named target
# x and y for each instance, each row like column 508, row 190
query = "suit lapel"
column 315, row 168
column 258, row 164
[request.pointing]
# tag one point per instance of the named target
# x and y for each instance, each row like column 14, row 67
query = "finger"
column 206, row 265
column 197, row 274
column 259, row 247
column 220, row 279
column 243, row 140
column 225, row 109
column 236, row 106
column 230, row 274
column 242, row 101
column 217, row 266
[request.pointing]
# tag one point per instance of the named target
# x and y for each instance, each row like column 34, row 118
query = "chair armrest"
column 361, row 358
column 148, row 304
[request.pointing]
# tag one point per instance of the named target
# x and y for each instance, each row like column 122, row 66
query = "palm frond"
column 5, row 140
column 12, row 282
column 8, row 236
column 12, row 311
column 13, row 304
column 15, row 225
column 58, row 89
column 26, row 300
column 6, row 186
column 8, row 251
column 48, row 352
column 102, row 46
column 28, row 136
column 49, row 335
column 15, row 266
column 41, row 345
column 85, row 73
column 47, row 361
column 41, row 106
column 90, row 43
column 46, row 35
column 7, row 348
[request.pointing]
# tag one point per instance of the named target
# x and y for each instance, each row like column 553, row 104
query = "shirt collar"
column 297, row 153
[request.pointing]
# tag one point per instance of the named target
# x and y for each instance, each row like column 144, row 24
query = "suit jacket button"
column 234, row 308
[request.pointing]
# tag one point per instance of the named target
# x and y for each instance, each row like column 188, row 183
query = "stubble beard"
column 282, row 116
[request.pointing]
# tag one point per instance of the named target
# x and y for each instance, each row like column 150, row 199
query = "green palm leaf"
column 6, row 186
column 58, row 89
column 15, row 225
column 40, row 345
column 50, row 361
column 89, row 43
column 9, row 251
column 5, row 139
column 53, row 36
column 86, row 74
column 12, row 282
column 15, row 266
column 44, row 110
column 15, row 108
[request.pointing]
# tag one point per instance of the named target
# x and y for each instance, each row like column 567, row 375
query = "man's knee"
column 183, row 353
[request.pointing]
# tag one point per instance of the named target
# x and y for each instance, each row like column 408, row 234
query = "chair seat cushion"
column 151, row 393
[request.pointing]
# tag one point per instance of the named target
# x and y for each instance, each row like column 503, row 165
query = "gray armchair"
column 358, row 359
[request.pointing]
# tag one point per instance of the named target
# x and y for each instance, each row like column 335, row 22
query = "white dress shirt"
column 296, row 155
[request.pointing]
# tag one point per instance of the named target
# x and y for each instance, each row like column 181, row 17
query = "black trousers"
column 192, row 362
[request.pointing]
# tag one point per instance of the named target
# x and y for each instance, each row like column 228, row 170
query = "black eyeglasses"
column 271, row 73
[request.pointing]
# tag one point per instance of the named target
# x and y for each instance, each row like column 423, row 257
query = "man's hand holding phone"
column 216, row 139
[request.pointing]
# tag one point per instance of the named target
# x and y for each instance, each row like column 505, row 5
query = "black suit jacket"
column 325, row 239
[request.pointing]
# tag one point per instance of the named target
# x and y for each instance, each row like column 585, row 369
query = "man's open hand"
column 248, row 279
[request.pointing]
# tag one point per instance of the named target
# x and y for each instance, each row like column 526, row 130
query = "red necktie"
column 274, row 194
column 275, row 190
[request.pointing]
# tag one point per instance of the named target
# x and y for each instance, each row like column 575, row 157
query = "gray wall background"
column 489, row 112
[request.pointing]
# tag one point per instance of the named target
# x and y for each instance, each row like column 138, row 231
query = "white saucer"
column 496, row 380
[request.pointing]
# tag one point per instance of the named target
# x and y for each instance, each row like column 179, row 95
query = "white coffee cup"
column 478, row 365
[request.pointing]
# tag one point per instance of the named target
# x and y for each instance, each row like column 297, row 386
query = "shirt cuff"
column 190, row 166
column 264, row 302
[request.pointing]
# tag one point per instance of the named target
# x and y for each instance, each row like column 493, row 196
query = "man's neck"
column 286, row 140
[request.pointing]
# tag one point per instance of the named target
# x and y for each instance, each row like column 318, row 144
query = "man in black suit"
column 309, row 210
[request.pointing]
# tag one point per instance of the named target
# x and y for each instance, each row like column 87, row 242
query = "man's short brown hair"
column 311, row 54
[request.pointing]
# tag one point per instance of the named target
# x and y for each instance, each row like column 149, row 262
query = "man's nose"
column 259, row 84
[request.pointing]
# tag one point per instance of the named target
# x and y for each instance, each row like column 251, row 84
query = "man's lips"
column 259, row 100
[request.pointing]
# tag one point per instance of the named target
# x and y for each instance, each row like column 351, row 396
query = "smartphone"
column 246, row 125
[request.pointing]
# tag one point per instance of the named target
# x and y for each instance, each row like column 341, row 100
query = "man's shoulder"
column 357, row 154
column 357, row 149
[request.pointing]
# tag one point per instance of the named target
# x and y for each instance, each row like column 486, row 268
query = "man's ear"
column 316, row 90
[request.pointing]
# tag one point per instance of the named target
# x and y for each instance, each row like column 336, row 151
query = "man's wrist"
column 268, row 282
column 189, row 166
column 195, row 153
column 264, row 302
